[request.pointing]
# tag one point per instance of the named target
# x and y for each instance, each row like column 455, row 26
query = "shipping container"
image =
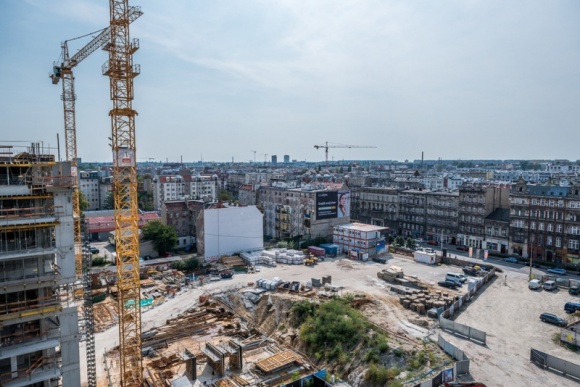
column 330, row 248
column 315, row 250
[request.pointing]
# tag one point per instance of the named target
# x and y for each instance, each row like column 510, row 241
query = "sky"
column 241, row 80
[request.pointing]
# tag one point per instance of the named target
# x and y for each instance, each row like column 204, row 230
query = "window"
column 541, row 226
column 550, row 227
column 573, row 244
column 549, row 241
column 559, row 228
column 558, row 242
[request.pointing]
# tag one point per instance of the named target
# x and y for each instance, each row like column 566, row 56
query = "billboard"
column 326, row 205
column 330, row 205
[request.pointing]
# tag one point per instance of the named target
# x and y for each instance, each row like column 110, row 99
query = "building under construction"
column 39, row 334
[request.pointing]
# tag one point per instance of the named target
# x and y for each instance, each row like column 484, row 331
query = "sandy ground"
column 510, row 316
column 509, row 335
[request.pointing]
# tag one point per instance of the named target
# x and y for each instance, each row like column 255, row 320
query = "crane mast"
column 64, row 71
column 121, row 71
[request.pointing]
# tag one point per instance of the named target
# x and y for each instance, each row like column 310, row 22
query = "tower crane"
column 64, row 70
column 121, row 71
column 326, row 146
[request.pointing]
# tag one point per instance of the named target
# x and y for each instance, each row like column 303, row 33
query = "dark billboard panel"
column 326, row 205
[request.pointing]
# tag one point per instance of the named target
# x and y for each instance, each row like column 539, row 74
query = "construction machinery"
column 326, row 146
column 121, row 71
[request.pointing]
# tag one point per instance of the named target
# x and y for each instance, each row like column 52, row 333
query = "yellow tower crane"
column 64, row 70
column 326, row 146
column 121, row 71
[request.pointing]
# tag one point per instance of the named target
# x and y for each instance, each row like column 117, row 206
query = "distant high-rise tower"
column 286, row 159
column 274, row 159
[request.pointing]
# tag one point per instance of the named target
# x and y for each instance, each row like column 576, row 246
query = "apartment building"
column 497, row 228
column 545, row 221
column 413, row 213
column 89, row 185
column 182, row 216
column 177, row 187
column 39, row 336
column 377, row 206
column 476, row 202
column 441, row 216
column 309, row 211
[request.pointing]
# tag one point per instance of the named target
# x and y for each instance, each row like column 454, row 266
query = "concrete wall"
column 231, row 230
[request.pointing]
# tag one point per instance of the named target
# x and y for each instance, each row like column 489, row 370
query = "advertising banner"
column 330, row 205
column 326, row 205
column 343, row 204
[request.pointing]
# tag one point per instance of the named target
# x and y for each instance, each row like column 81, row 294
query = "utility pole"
column 254, row 157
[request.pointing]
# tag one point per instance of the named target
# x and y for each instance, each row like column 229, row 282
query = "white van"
column 550, row 285
column 456, row 277
column 534, row 284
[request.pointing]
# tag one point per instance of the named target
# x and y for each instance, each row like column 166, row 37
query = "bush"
column 190, row 264
column 380, row 375
column 99, row 261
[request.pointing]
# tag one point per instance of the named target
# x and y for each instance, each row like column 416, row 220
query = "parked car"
column 434, row 243
column 457, row 277
column 94, row 250
column 550, row 285
column 557, row 270
column 574, row 290
column 571, row 307
column 463, row 248
column 380, row 259
column 419, row 240
column 448, row 284
column 470, row 270
column 534, row 284
column 534, row 264
column 511, row 260
column 553, row 319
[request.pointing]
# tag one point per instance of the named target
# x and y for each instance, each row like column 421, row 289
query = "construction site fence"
column 461, row 367
column 547, row 361
column 461, row 329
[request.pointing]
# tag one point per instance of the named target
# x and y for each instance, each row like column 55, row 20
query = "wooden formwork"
column 277, row 361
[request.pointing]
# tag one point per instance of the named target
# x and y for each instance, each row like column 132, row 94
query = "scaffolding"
column 38, row 319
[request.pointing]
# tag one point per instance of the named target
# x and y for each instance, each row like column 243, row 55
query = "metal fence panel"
column 564, row 366
column 478, row 335
column 462, row 367
column 463, row 330
column 538, row 357
column 563, row 282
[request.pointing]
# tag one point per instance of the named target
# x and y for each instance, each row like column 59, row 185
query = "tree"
column 400, row 241
column 83, row 201
column 109, row 202
column 410, row 243
column 164, row 237
column 145, row 199
column 224, row 196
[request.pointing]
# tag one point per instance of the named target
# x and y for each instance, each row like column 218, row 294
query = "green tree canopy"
column 164, row 237
column 83, row 201
column 109, row 202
